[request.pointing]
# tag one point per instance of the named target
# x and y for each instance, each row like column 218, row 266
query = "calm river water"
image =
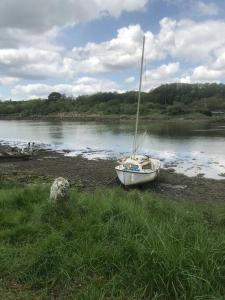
column 189, row 148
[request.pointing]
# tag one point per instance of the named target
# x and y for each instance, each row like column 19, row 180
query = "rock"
column 59, row 192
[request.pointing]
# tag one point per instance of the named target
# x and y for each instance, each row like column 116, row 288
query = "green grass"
column 110, row 244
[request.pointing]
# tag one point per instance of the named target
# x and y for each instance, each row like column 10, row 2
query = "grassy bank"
column 193, row 117
column 109, row 245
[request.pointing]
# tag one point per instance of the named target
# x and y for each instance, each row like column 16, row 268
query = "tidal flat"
column 89, row 175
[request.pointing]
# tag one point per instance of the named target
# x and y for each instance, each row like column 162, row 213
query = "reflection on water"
column 189, row 148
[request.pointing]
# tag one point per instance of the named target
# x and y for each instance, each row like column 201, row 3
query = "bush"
column 176, row 109
column 206, row 112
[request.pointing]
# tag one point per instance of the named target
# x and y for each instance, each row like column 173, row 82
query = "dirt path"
column 90, row 174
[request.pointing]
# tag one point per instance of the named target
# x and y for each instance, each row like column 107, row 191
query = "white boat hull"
column 133, row 178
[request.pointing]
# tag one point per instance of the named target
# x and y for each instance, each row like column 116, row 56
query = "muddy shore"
column 87, row 174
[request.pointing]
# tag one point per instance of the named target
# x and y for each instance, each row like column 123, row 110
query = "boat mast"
column 139, row 99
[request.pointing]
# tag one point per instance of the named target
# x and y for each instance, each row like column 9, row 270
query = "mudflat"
column 88, row 175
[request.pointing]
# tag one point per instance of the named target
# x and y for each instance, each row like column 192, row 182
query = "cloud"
column 130, row 79
column 41, row 16
column 204, row 73
column 39, row 22
column 186, row 41
column 8, row 81
column 163, row 74
column 195, row 7
column 16, row 38
column 185, row 49
column 163, row 71
column 32, row 63
column 210, row 72
column 191, row 40
column 122, row 52
column 84, row 85
column 205, row 9
column 219, row 63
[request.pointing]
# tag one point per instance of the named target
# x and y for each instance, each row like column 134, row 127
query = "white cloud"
column 119, row 53
column 16, row 38
column 28, row 49
column 195, row 7
column 41, row 16
column 115, row 7
column 212, row 71
column 191, row 40
column 84, row 85
column 163, row 71
column 185, row 40
column 219, row 64
column 5, row 81
column 37, row 23
column 122, row 52
column 163, row 74
column 185, row 79
column 206, row 9
column 203, row 73
column 130, row 79
column 32, row 63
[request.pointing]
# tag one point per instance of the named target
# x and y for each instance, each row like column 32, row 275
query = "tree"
column 54, row 96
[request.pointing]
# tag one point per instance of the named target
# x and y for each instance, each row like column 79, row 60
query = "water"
column 190, row 148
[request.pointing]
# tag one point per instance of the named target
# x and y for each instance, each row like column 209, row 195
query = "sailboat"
column 137, row 169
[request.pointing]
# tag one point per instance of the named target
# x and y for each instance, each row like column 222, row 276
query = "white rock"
column 59, row 192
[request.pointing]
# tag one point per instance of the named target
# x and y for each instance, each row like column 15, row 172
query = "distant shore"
column 94, row 117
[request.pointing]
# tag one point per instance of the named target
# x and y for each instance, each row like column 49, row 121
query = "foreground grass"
column 111, row 244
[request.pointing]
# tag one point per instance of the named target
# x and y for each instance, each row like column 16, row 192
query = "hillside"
column 170, row 99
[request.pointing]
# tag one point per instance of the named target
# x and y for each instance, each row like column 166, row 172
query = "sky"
column 80, row 47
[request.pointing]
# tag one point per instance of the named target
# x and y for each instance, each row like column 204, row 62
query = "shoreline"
column 104, row 118
column 89, row 175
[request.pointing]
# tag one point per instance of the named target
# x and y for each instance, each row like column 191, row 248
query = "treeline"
column 170, row 99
